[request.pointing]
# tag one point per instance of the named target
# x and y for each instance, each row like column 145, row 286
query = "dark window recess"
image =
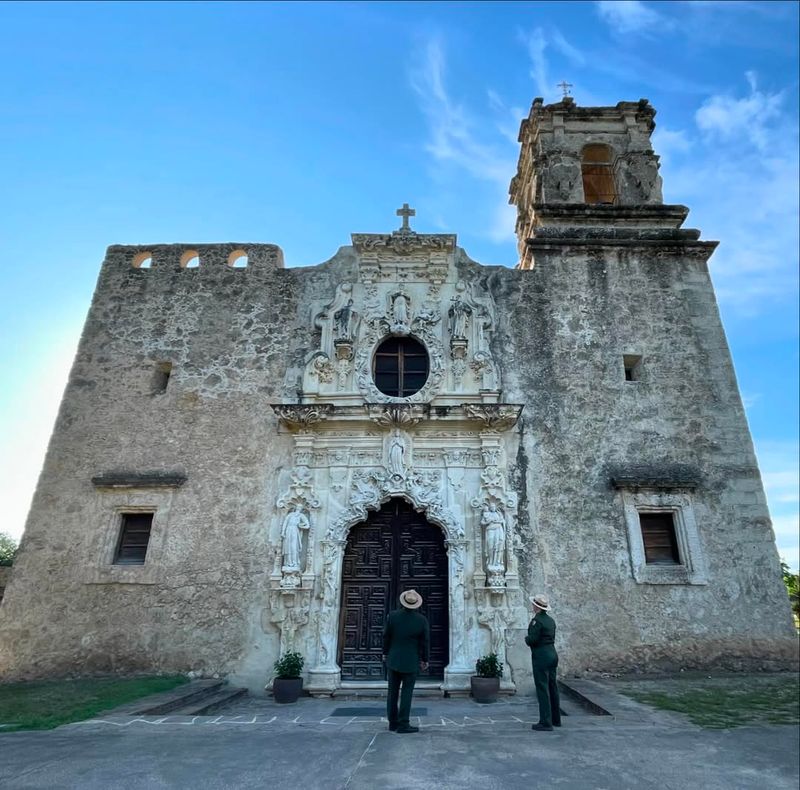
column 161, row 377
column 134, row 536
column 658, row 536
column 598, row 176
column 633, row 366
column 400, row 367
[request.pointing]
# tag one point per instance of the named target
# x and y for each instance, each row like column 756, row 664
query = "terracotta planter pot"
column 287, row 689
column 484, row 690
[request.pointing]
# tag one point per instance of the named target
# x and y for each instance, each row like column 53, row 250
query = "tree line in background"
column 8, row 549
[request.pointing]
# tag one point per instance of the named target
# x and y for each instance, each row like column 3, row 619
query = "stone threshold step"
column 209, row 704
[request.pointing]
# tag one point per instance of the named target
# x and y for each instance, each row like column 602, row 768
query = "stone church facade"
column 253, row 459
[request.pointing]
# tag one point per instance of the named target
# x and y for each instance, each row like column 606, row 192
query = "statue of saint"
column 459, row 314
column 396, row 456
column 400, row 309
column 494, row 525
column 291, row 534
column 343, row 320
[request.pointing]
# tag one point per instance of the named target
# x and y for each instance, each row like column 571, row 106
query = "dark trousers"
column 544, row 676
column 396, row 679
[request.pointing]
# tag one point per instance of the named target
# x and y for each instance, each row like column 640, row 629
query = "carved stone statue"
column 494, row 524
column 400, row 311
column 459, row 315
column 344, row 321
column 397, row 456
column 291, row 535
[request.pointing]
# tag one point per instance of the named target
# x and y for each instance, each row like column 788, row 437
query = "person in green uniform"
column 540, row 639
column 406, row 642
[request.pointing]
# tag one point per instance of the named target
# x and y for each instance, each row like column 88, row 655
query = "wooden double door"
column 395, row 549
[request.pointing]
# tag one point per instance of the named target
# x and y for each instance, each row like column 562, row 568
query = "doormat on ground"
column 373, row 711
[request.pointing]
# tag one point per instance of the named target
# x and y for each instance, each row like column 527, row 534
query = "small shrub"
column 489, row 667
column 289, row 665
column 8, row 549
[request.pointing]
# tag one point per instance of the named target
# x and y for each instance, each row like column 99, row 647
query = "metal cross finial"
column 565, row 86
column 405, row 213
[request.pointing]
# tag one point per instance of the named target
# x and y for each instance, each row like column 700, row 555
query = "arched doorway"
column 395, row 549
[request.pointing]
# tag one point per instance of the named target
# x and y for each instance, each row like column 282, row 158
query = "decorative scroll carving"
column 321, row 367
column 372, row 487
column 493, row 416
column 403, row 242
column 396, row 414
column 302, row 415
column 496, row 619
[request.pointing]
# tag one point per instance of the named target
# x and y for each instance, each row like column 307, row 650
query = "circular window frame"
column 400, row 355
column 436, row 368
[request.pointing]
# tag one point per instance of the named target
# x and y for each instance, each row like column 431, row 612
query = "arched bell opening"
column 394, row 549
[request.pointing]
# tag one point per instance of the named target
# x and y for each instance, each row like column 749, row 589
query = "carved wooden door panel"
column 396, row 549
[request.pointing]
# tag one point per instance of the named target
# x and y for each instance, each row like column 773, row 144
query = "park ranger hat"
column 541, row 602
column 411, row 599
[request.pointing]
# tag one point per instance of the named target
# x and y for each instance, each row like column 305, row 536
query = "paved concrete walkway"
column 258, row 743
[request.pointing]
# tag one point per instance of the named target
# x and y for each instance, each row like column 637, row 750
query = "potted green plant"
column 485, row 683
column 288, row 684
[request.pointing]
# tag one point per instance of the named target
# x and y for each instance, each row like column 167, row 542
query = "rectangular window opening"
column 134, row 536
column 632, row 363
column 161, row 377
column 659, row 538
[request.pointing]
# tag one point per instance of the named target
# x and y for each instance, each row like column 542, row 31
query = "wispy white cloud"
column 573, row 54
column 632, row 16
column 739, row 171
column 748, row 118
column 455, row 140
column 536, row 43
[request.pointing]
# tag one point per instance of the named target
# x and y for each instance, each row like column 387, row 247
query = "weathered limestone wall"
column 196, row 604
column 200, row 602
column 566, row 325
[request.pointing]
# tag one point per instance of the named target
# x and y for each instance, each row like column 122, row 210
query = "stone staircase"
column 197, row 698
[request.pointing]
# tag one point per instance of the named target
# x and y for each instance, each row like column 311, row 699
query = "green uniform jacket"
column 406, row 640
column 541, row 638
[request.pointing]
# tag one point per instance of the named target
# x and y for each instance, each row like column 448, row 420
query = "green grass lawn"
column 723, row 702
column 43, row 705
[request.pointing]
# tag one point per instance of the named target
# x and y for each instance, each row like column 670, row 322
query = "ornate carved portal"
column 384, row 491
column 394, row 550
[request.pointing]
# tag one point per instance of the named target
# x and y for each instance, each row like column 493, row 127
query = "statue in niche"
column 397, row 452
column 344, row 321
column 400, row 311
column 459, row 315
column 494, row 525
column 292, row 536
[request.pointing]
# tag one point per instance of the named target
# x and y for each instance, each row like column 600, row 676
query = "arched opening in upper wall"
column 237, row 259
column 142, row 260
column 190, row 259
column 597, row 162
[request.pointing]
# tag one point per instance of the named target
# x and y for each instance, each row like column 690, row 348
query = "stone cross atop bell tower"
column 597, row 158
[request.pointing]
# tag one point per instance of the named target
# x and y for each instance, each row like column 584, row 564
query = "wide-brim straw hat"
column 541, row 602
column 411, row 599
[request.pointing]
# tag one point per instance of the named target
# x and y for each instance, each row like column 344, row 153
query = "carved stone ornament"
column 403, row 242
column 396, row 414
column 372, row 487
column 493, row 416
column 302, row 415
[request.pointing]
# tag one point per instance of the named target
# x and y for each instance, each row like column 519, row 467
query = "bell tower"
column 587, row 169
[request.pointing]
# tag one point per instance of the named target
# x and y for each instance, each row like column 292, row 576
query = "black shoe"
column 392, row 727
column 556, row 723
column 403, row 730
column 542, row 727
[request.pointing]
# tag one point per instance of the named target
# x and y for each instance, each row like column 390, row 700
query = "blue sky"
column 300, row 123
